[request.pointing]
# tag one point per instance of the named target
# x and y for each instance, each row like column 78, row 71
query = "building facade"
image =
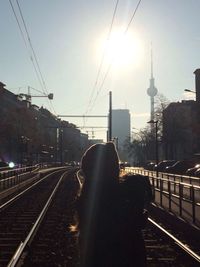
column 121, row 130
column 29, row 134
column 181, row 130
column 181, row 127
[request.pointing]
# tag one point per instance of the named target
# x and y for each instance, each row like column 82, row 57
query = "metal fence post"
column 153, row 184
column 161, row 188
column 157, row 182
column 193, row 205
column 174, row 184
column 180, row 198
column 170, row 195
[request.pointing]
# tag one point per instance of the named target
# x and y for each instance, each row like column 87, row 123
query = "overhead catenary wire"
column 100, row 88
column 25, row 42
column 31, row 46
column 44, row 88
column 103, row 56
column 133, row 15
column 30, row 49
column 110, row 64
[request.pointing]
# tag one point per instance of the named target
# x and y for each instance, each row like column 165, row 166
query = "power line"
column 44, row 88
column 132, row 17
column 97, row 94
column 110, row 65
column 24, row 39
column 30, row 49
column 103, row 56
column 31, row 46
column 45, row 91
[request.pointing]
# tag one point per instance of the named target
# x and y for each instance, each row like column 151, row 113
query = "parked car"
column 191, row 171
column 163, row 164
column 3, row 164
column 197, row 173
column 180, row 167
column 124, row 164
column 150, row 166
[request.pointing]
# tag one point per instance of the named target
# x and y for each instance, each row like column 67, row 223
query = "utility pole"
column 110, row 118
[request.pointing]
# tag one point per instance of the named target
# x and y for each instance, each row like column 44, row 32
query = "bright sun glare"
column 121, row 49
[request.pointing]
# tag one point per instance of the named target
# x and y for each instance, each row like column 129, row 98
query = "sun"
column 121, row 49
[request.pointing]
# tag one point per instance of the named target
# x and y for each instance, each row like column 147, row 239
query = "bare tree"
column 142, row 148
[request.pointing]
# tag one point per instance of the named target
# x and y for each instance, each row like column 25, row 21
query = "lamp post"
column 156, row 141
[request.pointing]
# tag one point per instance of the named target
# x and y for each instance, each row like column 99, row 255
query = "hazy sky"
column 69, row 39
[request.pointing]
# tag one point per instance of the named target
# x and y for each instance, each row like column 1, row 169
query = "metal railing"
column 169, row 176
column 12, row 172
column 12, row 178
column 176, row 193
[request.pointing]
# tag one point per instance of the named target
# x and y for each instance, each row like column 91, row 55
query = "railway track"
column 164, row 249
column 20, row 217
column 166, row 243
column 45, row 233
column 55, row 244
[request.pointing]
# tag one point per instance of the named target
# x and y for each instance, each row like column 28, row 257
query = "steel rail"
column 16, row 257
column 24, row 191
column 177, row 241
column 79, row 176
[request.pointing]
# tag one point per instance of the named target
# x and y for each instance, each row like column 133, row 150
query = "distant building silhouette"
column 181, row 127
column 95, row 141
column 30, row 134
column 121, row 129
column 197, row 85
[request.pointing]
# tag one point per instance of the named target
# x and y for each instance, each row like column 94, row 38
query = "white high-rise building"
column 121, row 129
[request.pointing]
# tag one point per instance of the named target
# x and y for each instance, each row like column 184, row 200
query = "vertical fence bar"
column 170, row 195
column 180, row 198
column 193, row 205
column 191, row 196
column 174, row 183
column 157, row 182
column 161, row 189
column 153, row 183
column 4, row 183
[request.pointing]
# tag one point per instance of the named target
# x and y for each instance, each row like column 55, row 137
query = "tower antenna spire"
column 152, row 90
column 151, row 61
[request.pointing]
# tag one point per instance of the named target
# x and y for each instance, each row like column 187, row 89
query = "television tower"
column 152, row 90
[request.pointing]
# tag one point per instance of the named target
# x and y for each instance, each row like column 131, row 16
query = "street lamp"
column 191, row 91
column 156, row 139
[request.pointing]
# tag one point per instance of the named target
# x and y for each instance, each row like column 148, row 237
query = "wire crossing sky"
column 69, row 37
column 102, row 58
column 104, row 52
